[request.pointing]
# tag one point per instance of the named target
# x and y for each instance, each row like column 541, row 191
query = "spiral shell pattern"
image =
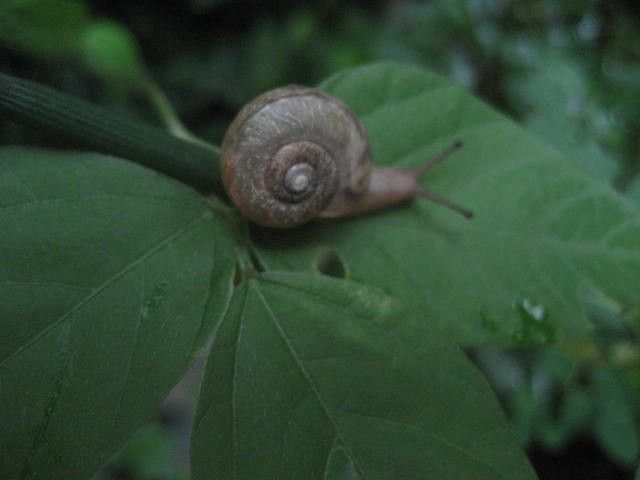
column 290, row 153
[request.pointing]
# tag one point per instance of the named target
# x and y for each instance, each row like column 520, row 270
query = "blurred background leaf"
column 110, row 52
column 48, row 30
column 634, row 191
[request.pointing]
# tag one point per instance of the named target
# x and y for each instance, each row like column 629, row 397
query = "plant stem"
column 98, row 128
column 168, row 115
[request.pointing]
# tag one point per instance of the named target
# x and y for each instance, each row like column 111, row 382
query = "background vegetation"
column 567, row 70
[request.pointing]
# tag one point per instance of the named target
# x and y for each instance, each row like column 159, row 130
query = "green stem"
column 98, row 128
column 168, row 115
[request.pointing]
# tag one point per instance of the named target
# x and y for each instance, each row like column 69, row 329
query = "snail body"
column 296, row 153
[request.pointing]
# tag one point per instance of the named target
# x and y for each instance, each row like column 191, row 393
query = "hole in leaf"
column 329, row 263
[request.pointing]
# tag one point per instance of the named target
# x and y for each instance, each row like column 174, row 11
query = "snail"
column 296, row 153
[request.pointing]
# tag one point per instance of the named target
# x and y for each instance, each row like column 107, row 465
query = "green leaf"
column 311, row 377
column 634, row 191
column 560, row 111
column 111, row 278
column 55, row 30
column 47, row 29
column 514, row 274
column 616, row 427
column 112, row 53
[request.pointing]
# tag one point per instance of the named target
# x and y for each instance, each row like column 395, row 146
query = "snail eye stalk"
column 427, row 165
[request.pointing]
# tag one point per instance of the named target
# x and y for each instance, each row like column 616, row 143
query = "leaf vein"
column 435, row 436
column 308, row 378
column 148, row 254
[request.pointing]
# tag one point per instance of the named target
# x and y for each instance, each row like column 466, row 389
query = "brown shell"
column 323, row 132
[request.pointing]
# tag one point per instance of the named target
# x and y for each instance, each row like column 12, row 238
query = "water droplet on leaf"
column 535, row 328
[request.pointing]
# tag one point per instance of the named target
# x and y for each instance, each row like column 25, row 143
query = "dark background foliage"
column 568, row 70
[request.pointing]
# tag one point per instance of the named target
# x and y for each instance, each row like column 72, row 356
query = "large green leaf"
column 544, row 233
column 106, row 272
column 315, row 378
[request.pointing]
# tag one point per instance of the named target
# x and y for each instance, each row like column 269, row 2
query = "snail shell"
column 292, row 154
